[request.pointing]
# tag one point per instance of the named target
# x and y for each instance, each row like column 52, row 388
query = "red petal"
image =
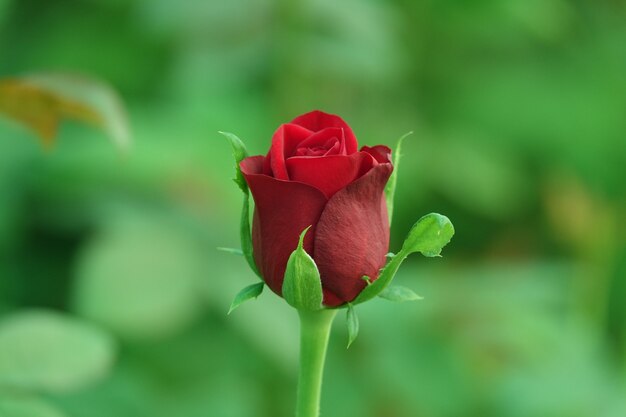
column 284, row 143
column 335, row 149
column 321, row 138
column 329, row 174
column 318, row 120
column 283, row 209
column 352, row 236
column 381, row 153
column 252, row 165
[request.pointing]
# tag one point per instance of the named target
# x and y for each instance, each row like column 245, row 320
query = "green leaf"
column 248, row 293
column 352, row 320
column 53, row 352
column 41, row 101
column 233, row 251
column 302, row 287
column 239, row 153
column 390, row 188
column 398, row 293
column 19, row 405
column 428, row 235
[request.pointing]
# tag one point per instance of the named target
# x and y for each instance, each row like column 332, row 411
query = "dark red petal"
column 284, row 143
column 381, row 153
column 283, row 209
column 318, row 120
column 352, row 236
column 252, row 165
column 329, row 174
column 330, row 299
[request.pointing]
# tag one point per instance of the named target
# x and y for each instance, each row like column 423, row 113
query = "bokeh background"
column 108, row 267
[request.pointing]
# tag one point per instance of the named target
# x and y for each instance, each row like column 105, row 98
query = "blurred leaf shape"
column 140, row 277
column 486, row 179
column 232, row 251
column 26, row 406
column 399, row 293
column 42, row 101
column 48, row 351
column 353, row 41
column 40, row 110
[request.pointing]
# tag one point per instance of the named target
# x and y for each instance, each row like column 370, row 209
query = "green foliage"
column 246, row 294
column 428, row 235
column 302, row 287
column 47, row 351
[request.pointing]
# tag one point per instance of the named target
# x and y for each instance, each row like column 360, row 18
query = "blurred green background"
column 108, row 268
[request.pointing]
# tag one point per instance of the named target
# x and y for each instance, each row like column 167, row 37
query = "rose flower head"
column 320, row 231
column 315, row 175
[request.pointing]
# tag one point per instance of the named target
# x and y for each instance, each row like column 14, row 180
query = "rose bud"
column 314, row 175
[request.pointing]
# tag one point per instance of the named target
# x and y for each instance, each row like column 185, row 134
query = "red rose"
column 314, row 175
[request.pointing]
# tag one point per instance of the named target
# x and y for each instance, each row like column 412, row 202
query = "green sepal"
column 245, row 236
column 240, row 153
column 248, row 293
column 302, row 286
column 352, row 321
column 428, row 235
column 399, row 293
column 232, row 251
column 390, row 188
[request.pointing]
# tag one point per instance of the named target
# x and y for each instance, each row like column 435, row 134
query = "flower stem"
column 314, row 333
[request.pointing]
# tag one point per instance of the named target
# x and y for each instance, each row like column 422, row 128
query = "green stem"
column 314, row 333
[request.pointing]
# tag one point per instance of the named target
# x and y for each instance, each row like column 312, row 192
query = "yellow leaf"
column 42, row 101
